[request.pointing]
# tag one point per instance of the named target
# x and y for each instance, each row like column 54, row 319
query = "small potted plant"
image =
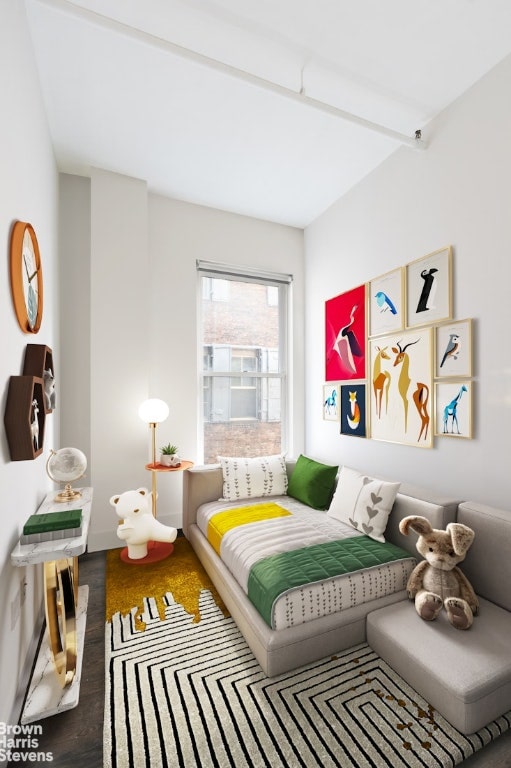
column 169, row 456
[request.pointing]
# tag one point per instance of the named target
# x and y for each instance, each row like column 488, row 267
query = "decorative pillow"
column 363, row 502
column 246, row 478
column 312, row 483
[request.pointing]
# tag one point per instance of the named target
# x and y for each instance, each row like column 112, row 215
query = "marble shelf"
column 45, row 696
column 31, row 554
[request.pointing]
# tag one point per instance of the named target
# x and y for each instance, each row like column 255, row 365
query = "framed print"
column 330, row 402
column 401, row 391
column 385, row 298
column 345, row 334
column 453, row 408
column 453, row 349
column 429, row 289
column 353, row 410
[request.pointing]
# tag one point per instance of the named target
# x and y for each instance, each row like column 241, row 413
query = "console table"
column 55, row 682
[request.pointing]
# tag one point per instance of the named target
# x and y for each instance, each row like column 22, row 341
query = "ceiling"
column 242, row 105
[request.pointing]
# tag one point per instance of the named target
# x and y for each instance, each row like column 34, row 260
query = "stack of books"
column 52, row 526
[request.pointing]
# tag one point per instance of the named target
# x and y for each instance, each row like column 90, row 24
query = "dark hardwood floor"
column 75, row 737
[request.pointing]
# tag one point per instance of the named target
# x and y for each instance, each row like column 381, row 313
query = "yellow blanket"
column 222, row 522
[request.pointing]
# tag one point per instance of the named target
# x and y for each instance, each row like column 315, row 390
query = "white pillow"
column 246, row 478
column 363, row 502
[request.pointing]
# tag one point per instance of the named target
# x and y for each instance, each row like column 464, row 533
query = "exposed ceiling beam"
column 299, row 97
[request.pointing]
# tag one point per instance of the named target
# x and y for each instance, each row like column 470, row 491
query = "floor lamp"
column 153, row 411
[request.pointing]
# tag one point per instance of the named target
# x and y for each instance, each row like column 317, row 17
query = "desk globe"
column 65, row 466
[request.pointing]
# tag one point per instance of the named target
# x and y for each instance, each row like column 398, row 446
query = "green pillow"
column 312, row 483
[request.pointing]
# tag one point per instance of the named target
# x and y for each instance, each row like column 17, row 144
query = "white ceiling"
column 155, row 89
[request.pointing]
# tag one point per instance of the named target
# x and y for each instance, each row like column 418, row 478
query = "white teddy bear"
column 138, row 526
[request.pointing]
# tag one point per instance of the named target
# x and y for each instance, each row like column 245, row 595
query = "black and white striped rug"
column 184, row 694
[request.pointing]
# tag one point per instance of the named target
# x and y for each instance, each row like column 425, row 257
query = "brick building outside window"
column 243, row 333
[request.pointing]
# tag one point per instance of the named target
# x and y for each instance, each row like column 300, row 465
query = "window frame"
column 283, row 282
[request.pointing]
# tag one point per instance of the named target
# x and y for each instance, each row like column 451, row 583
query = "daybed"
column 280, row 650
column 466, row 676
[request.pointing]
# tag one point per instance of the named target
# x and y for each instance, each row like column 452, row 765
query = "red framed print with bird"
column 345, row 336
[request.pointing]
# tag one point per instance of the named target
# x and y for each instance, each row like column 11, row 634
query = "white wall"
column 456, row 192
column 28, row 191
column 75, row 329
column 141, row 320
column 119, row 362
column 180, row 234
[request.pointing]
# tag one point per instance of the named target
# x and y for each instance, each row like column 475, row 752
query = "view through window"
column 243, row 350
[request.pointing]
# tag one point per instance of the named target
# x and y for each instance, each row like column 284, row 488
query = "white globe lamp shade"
column 153, row 411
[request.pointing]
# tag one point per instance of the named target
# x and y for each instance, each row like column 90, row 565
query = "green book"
column 53, row 521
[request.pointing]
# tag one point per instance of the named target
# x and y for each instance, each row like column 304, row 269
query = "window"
column 242, row 346
column 244, row 398
column 214, row 289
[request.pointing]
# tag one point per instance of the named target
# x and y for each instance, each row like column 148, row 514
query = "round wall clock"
column 26, row 277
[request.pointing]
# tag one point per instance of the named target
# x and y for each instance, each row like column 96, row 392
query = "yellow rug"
column 181, row 573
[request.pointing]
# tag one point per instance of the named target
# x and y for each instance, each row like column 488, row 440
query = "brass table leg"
column 75, row 578
column 60, row 592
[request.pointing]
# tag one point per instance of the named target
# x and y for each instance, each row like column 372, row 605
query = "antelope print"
column 420, row 398
column 381, row 380
column 402, row 379
column 403, row 385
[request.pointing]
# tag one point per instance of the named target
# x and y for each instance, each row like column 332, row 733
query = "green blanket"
column 276, row 574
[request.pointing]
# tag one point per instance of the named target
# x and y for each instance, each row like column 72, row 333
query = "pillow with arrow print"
column 363, row 502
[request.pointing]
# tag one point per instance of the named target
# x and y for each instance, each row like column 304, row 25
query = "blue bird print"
column 384, row 302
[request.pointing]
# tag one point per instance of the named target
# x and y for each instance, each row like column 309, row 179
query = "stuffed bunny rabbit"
column 437, row 581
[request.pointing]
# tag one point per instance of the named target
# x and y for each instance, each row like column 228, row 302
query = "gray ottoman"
column 465, row 675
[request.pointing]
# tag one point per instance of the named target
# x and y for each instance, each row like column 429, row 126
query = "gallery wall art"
column 386, row 304
column 428, row 289
column 345, row 336
column 453, row 349
column 453, row 409
column 397, row 363
column 353, row 409
column 402, row 384
column 330, row 402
